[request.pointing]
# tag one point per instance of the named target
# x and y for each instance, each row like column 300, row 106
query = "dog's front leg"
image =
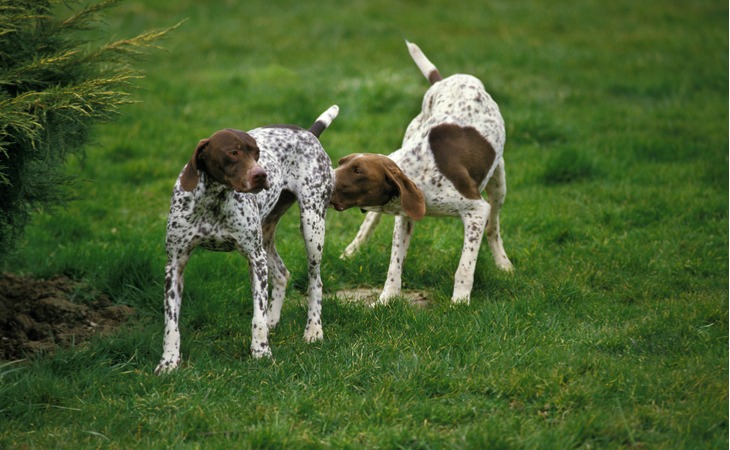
column 402, row 232
column 173, row 301
column 259, row 327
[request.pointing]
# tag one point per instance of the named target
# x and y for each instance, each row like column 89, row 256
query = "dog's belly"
column 440, row 195
column 215, row 245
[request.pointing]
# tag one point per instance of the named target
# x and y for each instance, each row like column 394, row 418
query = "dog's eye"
column 233, row 153
column 356, row 170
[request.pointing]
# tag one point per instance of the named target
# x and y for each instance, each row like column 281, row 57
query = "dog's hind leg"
column 475, row 220
column 278, row 274
column 496, row 192
column 312, row 225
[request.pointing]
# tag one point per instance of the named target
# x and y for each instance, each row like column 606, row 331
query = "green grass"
column 612, row 332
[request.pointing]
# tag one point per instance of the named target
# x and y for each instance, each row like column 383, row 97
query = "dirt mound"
column 370, row 296
column 37, row 315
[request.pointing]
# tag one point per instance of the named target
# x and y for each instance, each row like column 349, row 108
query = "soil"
column 370, row 295
column 39, row 315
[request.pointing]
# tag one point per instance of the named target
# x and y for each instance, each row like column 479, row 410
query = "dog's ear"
column 189, row 178
column 411, row 197
column 346, row 159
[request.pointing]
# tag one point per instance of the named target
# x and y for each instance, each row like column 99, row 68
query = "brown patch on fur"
column 434, row 76
column 463, row 156
column 189, row 178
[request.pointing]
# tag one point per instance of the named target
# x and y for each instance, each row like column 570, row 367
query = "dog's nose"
column 259, row 178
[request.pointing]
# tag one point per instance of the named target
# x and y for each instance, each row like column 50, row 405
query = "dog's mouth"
column 338, row 206
column 250, row 189
column 261, row 186
column 255, row 190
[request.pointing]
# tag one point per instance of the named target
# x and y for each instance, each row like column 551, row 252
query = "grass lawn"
column 611, row 333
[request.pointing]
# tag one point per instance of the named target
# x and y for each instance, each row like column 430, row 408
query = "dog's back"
column 459, row 99
column 291, row 155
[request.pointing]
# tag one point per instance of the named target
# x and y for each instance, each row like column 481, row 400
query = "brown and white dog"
column 230, row 197
column 451, row 152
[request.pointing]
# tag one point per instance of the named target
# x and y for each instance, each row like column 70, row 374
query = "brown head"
column 229, row 157
column 366, row 179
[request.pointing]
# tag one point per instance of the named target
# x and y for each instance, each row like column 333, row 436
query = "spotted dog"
column 451, row 152
column 230, row 196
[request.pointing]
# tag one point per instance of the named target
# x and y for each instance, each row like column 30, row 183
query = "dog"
column 451, row 151
column 230, row 196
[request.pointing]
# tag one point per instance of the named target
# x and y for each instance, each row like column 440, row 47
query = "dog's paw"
column 381, row 301
column 386, row 295
column 167, row 365
column 350, row 250
column 260, row 350
column 313, row 333
column 461, row 297
column 460, row 300
column 505, row 265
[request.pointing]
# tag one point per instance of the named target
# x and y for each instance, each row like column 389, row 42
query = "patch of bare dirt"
column 38, row 315
column 369, row 296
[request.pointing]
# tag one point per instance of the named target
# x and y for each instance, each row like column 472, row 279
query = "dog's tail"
column 427, row 68
column 324, row 120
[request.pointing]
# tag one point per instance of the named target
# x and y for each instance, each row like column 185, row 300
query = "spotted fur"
column 217, row 217
column 452, row 150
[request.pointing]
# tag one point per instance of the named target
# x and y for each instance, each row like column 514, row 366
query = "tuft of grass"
column 567, row 166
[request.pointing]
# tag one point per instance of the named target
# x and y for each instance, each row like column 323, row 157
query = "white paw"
column 461, row 298
column 505, row 265
column 167, row 365
column 260, row 350
column 380, row 302
column 386, row 295
column 350, row 250
column 313, row 333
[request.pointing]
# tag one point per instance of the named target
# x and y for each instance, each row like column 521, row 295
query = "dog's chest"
column 218, row 221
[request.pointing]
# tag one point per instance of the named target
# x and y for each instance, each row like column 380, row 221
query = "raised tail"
column 427, row 68
column 324, row 120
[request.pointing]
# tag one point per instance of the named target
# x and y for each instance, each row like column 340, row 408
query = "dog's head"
column 229, row 157
column 366, row 179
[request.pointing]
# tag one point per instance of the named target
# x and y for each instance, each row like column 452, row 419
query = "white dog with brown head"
column 451, row 152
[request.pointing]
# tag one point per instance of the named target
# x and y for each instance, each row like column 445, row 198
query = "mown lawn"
column 612, row 332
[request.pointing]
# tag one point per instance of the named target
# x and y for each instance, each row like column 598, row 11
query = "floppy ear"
column 346, row 159
column 189, row 178
column 411, row 197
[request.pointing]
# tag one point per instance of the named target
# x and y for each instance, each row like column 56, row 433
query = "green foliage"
column 54, row 87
